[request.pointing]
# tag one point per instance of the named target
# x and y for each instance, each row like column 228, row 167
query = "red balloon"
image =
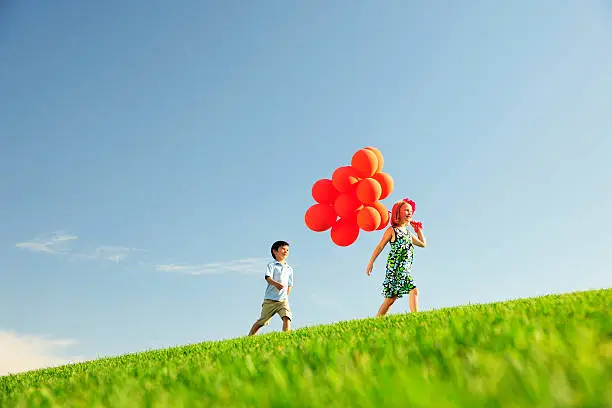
column 368, row 218
column 320, row 217
column 379, row 156
column 324, row 192
column 346, row 203
column 344, row 232
column 352, row 217
column 384, row 214
column 365, row 162
column 368, row 190
column 386, row 183
column 344, row 177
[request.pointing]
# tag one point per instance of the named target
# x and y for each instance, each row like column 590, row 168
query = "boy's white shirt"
column 281, row 272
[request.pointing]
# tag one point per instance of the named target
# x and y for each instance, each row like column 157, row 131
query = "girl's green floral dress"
column 398, row 276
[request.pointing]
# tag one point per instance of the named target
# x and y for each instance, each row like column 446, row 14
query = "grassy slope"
column 546, row 352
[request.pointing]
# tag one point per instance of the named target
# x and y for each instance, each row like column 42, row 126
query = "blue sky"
column 139, row 137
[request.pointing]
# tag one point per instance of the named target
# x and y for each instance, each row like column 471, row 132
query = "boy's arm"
column 274, row 283
column 271, row 280
column 290, row 283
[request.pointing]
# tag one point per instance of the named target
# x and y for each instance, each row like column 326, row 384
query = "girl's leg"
column 386, row 304
column 413, row 300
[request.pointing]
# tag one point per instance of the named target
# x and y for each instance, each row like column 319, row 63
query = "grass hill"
column 550, row 351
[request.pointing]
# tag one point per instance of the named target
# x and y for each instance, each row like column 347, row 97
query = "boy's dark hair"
column 277, row 245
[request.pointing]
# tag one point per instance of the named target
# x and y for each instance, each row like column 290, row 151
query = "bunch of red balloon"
column 349, row 201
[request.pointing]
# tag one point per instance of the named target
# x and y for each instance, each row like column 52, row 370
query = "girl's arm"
column 383, row 241
column 420, row 240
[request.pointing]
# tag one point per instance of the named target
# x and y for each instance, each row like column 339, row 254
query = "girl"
column 398, row 279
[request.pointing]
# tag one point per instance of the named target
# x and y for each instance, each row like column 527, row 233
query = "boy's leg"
column 286, row 324
column 267, row 311
column 413, row 300
column 254, row 329
column 284, row 311
column 386, row 304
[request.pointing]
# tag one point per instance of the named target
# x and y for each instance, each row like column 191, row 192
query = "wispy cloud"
column 247, row 266
column 20, row 353
column 112, row 253
column 58, row 243
column 54, row 243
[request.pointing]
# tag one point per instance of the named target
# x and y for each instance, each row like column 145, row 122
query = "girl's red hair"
column 395, row 212
column 397, row 208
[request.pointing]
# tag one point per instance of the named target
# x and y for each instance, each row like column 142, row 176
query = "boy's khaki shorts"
column 270, row 307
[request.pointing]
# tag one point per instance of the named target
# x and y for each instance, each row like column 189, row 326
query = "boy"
column 279, row 276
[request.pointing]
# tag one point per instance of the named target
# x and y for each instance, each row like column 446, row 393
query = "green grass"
column 551, row 351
